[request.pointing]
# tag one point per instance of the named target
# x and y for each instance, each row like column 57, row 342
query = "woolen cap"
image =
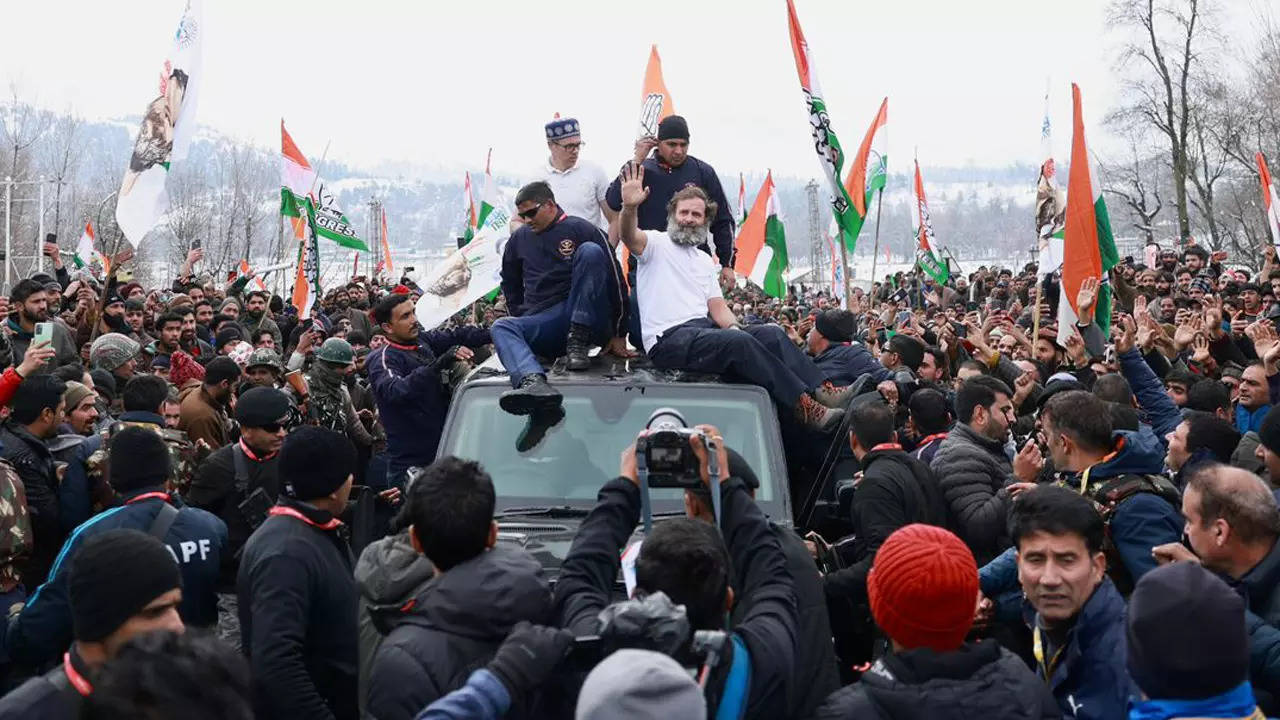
column 314, row 462
column 138, row 458
column 1186, row 633
column 640, row 685
column 75, row 393
column 835, row 325
column 673, row 127
column 113, row 576
column 923, row 588
column 262, row 406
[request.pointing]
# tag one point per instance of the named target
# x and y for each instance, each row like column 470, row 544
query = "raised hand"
column 1200, row 349
column 1075, row 347
column 1185, row 333
column 1087, row 296
column 1124, row 334
column 1213, row 315
column 633, row 190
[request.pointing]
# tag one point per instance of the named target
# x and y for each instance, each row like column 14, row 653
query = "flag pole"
column 875, row 252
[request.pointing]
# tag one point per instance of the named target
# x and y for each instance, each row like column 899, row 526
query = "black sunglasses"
column 528, row 214
column 271, row 427
column 571, row 146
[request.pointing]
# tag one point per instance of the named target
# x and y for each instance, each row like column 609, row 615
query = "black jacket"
column 389, row 574
column 51, row 696
column 896, row 490
column 214, row 489
column 453, row 627
column 973, row 472
column 768, row 627
column 298, row 616
column 31, row 457
column 843, row 363
column 977, row 681
column 815, row 674
column 1262, row 586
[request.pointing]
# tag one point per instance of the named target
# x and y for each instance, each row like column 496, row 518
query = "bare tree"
column 1138, row 185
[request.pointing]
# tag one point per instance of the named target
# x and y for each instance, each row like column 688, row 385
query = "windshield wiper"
column 556, row 511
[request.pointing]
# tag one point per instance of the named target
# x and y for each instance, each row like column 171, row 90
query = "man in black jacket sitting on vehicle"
column 692, row 563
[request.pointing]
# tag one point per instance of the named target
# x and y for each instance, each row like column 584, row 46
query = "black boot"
column 533, row 394
column 540, row 421
column 577, row 345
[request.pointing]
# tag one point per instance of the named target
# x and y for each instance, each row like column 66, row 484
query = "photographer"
column 691, row 563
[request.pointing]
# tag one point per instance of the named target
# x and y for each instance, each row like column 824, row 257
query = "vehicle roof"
column 605, row 369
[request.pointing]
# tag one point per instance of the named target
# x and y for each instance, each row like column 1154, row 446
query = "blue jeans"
column 519, row 340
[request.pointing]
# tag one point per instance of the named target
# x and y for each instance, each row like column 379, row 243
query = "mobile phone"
column 44, row 332
column 195, row 244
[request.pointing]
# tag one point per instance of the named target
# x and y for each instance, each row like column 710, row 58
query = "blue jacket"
column 1144, row 520
column 42, row 631
column 1234, row 703
column 411, row 401
column 1090, row 680
column 484, row 697
column 1161, row 412
column 843, row 363
column 663, row 182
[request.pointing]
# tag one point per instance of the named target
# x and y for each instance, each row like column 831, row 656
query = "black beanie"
column 139, row 458
column 113, row 576
column 673, row 127
column 1186, row 634
column 1269, row 432
column 261, row 406
column 835, row 325
column 314, row 462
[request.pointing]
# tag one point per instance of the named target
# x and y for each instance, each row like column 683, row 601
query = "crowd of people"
column 212, row 506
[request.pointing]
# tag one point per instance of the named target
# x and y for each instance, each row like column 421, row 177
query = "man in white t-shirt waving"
column 678, row 287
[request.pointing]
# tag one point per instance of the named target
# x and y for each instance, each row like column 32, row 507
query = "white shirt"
column 579, row 191
column 673, row 285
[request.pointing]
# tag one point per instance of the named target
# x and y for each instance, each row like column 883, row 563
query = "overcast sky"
column 439, row 82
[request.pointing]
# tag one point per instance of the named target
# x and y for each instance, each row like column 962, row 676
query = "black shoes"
column 533, row 395
column 577, row 347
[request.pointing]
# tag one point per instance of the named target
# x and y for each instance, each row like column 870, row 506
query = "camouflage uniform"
column 15, row 527
column 184, row 456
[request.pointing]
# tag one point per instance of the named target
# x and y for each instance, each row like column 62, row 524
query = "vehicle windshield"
column 579, row 454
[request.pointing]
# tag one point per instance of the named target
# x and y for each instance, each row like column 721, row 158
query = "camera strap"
column 713, row 472
column 642, row 477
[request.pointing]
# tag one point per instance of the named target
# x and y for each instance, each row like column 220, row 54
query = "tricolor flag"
column 837, row 269
column 1269, row 201
column 762, row 243
column 927, row 256
column 298, row 181
column 385, row 265
column 1050, row 208
column 306, row 280
column 471, row 223
column 655, row 101
column 492, row 214
column 825, row 142
column 868, row 173
column 742, row 200
column 247, row 272
column 1088, row 248
column 167, row 127
column 84, row 249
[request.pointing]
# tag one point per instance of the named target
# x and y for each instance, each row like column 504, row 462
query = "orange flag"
column 244, row 270
column 751, row 235
column 655, row 100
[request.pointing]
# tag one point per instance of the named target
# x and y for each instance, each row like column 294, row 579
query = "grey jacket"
column 388, row 574
column 974, row 472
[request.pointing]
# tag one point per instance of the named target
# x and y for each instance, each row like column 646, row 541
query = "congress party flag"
column 762, row 243
column 299, row 183
column 1050, row 208
column 655, row 99
column 927, row 255
column 868, row 173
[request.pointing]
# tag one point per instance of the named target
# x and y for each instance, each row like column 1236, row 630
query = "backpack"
column 1108, row 497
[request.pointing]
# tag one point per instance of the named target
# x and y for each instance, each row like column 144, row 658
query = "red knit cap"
column 924, row 588
column 183, row 367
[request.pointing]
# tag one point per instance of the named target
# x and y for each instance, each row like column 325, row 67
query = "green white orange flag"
column 825, row 142
column 927, row 255
column 167, row 128
column 742, row 200
column 655, row 100
column 762, row 243
column 471, row 224
column 246, row 271
column 868, row 173
column 1269, row 201
column 1050, row 208
column 306, row 278
column 492, row 213
column 84, row 249
column 298, row 181
column 1088, row 247
column 385, row 264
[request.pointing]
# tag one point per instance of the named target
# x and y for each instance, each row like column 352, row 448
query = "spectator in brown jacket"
column 204, row 408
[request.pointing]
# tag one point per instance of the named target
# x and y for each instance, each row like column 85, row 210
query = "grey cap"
column 112, row 350
column 639, row 685
column 264, row 357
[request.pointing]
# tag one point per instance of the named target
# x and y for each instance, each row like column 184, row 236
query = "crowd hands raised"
column 213, row 507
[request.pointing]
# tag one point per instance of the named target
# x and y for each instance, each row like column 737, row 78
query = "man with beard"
column 830, row 342
column 977, row 479
column 257, row 318
column 36, row 411
column 188, row 342
column 204, row 317
column 82, row 408
column 358, row 316
column 114, row 353
column 204, row 407
column 564, row 290
column 112, row 320
column 30, row 302
column 677, row 286
column 169, row 331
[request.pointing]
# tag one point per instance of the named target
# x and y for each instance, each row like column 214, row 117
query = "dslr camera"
column 665, row 459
